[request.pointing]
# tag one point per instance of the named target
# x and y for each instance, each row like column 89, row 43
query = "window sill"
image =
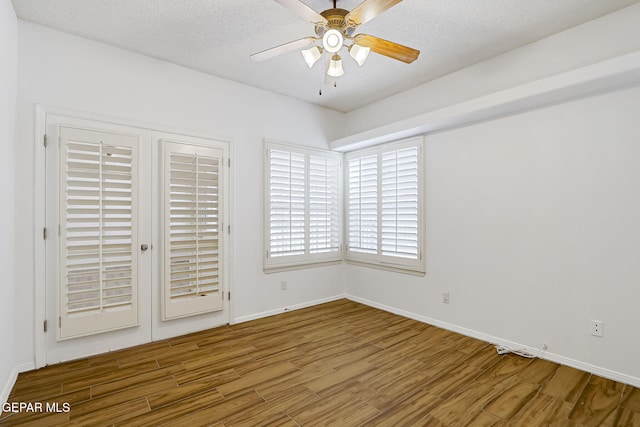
column 280, row 268
column 388, row 267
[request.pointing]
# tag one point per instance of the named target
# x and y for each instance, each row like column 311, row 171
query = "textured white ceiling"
column 217, row 37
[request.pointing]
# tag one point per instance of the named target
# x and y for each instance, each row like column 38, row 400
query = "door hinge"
column 45, row 326
column 46, row 144
column 44, row 233
column 229, row 162
column 228, row 229
column 60, row 322
column 229, row 295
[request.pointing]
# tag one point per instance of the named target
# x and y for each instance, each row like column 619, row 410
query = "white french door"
column 134, row 245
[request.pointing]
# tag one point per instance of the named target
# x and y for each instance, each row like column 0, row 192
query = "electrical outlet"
column 283, row 285
column 445, row 297
column 597, row 328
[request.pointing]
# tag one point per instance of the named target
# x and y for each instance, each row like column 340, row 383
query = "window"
column 384, row 206
column 303, row 218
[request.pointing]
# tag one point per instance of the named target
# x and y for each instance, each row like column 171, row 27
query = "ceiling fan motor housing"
column 335, row 20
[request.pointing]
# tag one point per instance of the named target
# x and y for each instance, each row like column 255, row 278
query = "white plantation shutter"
column 400, row 203
column 192, row 223
column 324, row 208
column 287, row 188
column 303, row 209
column 363, row 204
column 384, row 202
column 98, row 284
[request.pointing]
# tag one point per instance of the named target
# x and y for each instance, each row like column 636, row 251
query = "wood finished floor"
column 340, row 364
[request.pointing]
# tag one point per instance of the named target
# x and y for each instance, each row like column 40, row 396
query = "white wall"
column 8, row 92
column 604, row 38
column 533, row 224
column 65, row 71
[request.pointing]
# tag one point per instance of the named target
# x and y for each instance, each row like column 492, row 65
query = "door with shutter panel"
column 193, row 235
column 98, row 282
column 98, row 209
column 109, row 238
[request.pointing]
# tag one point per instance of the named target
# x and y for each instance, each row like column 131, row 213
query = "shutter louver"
column 192, row 230
column 363, row 204
column 400, row 203
column 324, row 210
column 287, row 203
column 98, row 237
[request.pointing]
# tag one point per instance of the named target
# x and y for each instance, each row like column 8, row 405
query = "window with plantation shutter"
column 287, row 190
column 324, row 208
column 384, row 206
column 363, row 204
column 399, row 207
column 98, row 285
column 303, row 210
column 192, row 224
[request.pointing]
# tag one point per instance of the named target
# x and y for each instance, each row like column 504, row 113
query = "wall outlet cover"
column 597, row 328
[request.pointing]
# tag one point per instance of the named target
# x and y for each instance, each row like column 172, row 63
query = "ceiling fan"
column 334, row 29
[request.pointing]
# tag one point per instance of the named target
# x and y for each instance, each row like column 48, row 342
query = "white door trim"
column 40, row 247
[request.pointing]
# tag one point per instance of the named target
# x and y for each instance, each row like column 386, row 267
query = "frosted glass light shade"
column 335, row 66
column 359, row 53
column 311, row 55
column 332, row 40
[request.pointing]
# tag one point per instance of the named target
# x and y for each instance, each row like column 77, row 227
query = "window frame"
column 378, row 260
column 307, row 259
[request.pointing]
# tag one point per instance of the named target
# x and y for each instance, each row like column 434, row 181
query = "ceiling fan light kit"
column 359, row 53
column 335, row 66
column 311, row 55
column 335, row 26
column 332, row 40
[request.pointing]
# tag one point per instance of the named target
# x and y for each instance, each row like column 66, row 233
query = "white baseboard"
column 11, row 381
column 262, row 314
column 556, row 358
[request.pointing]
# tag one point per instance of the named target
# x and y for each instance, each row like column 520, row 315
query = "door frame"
column 40, row 215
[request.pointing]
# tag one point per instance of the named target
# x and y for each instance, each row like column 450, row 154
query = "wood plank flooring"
column 339, row 364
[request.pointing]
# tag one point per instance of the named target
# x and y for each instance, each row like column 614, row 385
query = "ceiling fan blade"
column 367, row 10
column 283, row 48
column 387, row 48
column 303, row 11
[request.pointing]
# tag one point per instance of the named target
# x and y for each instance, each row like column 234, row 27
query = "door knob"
column 144, row 247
